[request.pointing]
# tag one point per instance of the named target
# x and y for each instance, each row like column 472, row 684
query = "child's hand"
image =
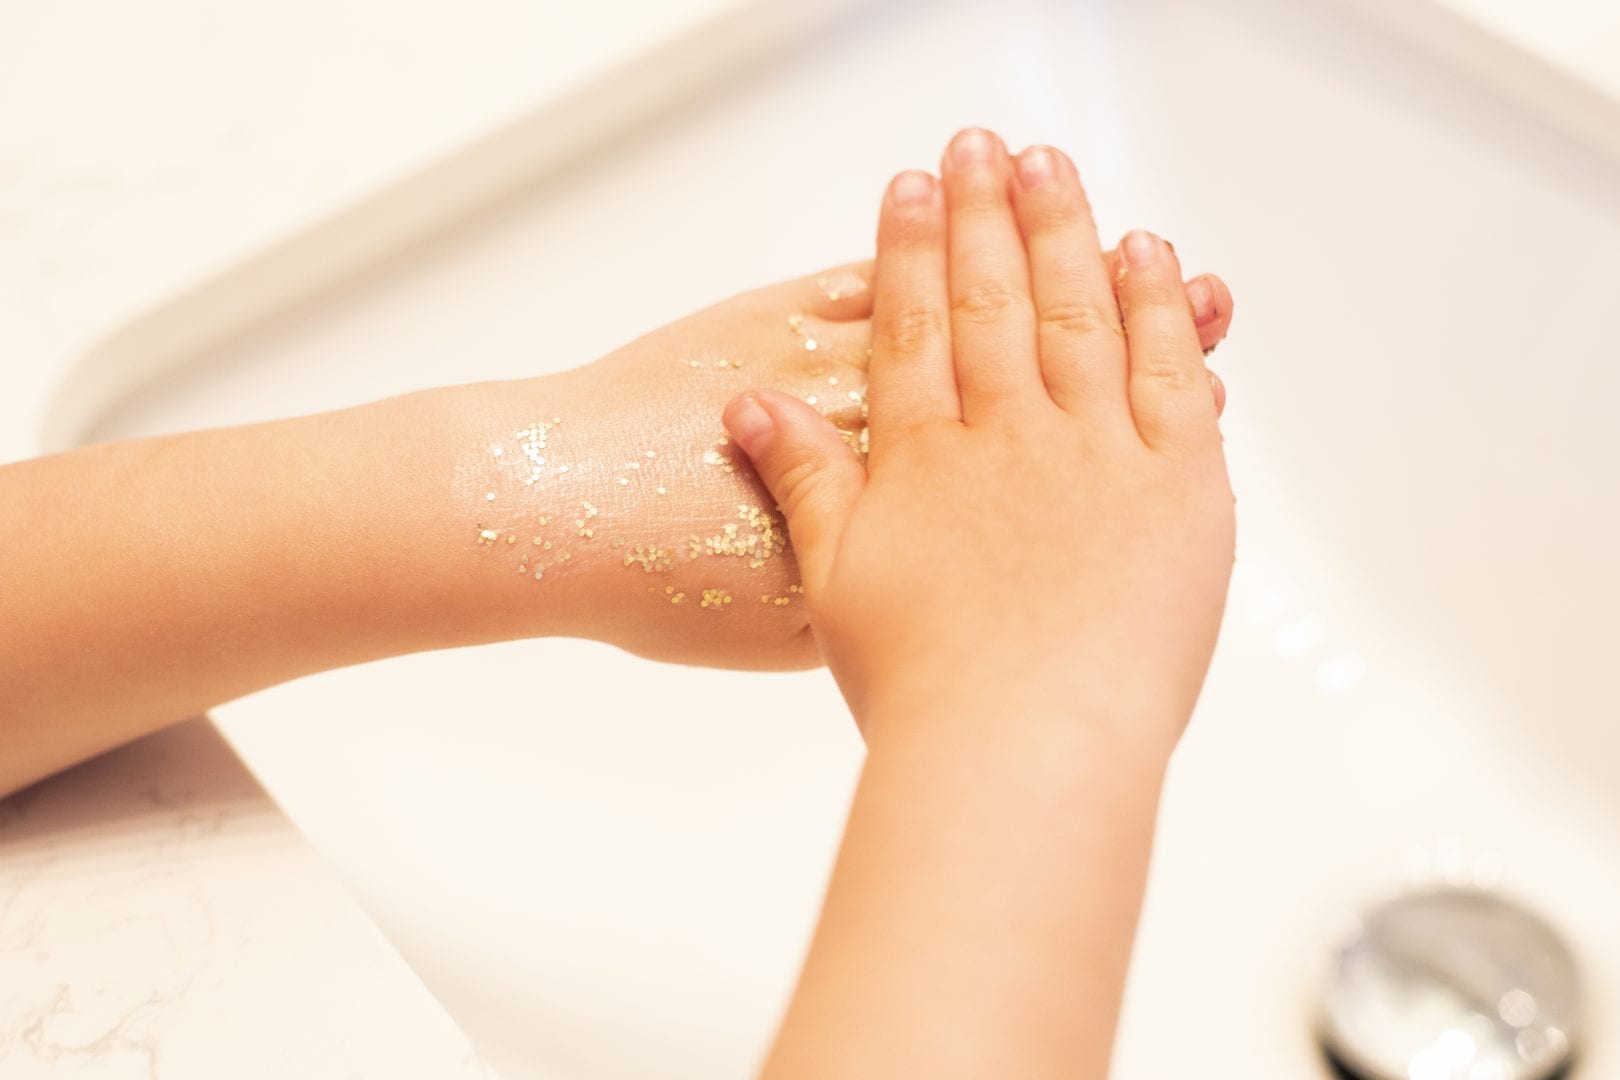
column 658, row 537
column 1044, row 525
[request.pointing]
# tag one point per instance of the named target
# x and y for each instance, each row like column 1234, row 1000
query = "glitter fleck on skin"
column 766, row 539
column 487, row 536
column 531, row 440
column 809, row 344
column 489, row 496
column 651, row 558
column 714, row 598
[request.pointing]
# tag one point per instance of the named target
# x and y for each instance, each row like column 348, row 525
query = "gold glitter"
column 487, row 536
column 796, row 323
column 562, row 468
column 736, row 364
column 713, row 456
column 590, row 511
column 635, row 464
column 489, row 496
column 510, row 539
column 621, row 481
column 546, row 546
column 811, row 400
column 809, row 344
column 544, row 520
column 832, row 380
column 523, row 568
column 713, row 598
column 677, row 598
column 765, row 539
column 662, row 490
column 652, row 453
column 497, row 451
column 537, row 541
column 532, row 440
column 538, row 574
column 650, row 558
column 692, row 363
column 854, row 395
column 722, row 363
column 565, row 556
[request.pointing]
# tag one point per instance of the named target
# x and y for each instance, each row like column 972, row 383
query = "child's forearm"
column 998, row 945
column 146, row 581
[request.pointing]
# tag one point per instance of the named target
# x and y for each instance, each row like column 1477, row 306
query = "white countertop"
column 159, row 918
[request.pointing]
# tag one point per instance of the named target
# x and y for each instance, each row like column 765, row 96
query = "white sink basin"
column 608, row 869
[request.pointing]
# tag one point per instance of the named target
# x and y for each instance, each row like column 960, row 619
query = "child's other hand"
column 1044, row 524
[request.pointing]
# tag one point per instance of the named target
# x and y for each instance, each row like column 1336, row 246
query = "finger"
column 841, row 294
column 809, row 470
column 1211, row 302
column 910, row 376
column 1082, row 342
column 992, row 317
column 1169, row 385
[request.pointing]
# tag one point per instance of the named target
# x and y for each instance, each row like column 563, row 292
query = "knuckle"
column 986, row 302
column 796, row 484
column 1079, row 319
column 1171, row 375
column 911, row 329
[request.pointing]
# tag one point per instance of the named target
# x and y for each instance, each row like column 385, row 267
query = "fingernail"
column 1202, row 299
column 749, row 423
column 912, row 187
column 1034, row 167
column 970, row 146
column 1141, row 248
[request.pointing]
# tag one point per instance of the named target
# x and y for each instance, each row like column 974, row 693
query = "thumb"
column 811, row 473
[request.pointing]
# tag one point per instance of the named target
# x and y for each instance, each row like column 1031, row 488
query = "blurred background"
column 215, row 213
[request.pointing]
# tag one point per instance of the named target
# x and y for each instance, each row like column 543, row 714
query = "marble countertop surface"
column 159, row 918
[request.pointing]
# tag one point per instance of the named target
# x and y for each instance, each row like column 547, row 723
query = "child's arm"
column 1019, row 594
column 146, row 581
